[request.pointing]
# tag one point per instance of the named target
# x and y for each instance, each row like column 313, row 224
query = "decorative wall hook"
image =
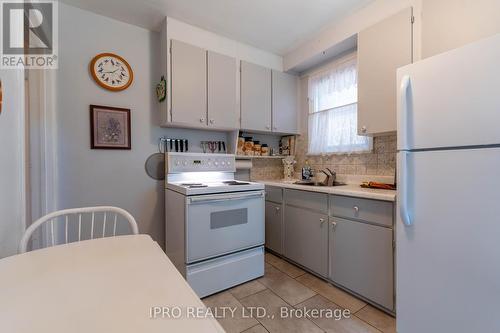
column 161, row 89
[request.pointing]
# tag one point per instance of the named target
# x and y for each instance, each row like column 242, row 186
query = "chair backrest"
column 74, row 217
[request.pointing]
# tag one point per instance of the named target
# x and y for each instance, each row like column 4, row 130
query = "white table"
column 103, row 285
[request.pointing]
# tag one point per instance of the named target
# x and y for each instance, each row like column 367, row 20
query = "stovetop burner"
column 194, row 185
column 235, row 182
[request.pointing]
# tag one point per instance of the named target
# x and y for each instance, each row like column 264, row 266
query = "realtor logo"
column 29, row 34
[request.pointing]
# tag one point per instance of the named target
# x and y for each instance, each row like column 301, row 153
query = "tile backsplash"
column 266, row 169
column 380, row 162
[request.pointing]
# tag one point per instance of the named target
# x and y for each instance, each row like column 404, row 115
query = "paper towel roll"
column 243, row 164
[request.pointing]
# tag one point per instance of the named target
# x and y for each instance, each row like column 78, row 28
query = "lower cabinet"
column 274, row 218
column 306, row 238
column 361, row 259
column 346, row 240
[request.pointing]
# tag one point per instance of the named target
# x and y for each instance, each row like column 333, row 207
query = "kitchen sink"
column 311, row 183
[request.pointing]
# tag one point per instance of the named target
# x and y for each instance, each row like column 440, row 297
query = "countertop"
column 352, row 190
column 101, row 285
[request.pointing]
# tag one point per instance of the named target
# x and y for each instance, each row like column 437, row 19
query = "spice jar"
column 241, row 144
column 256, row 148
column 248, row 148
column 264, row 150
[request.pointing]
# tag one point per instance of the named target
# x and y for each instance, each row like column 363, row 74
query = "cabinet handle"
column 322, row 222
column 356, row 209
column 363, row 129
column 202, row 120
column 268, row 127
column 278, row 209
column 212, row 121
column 334, row 224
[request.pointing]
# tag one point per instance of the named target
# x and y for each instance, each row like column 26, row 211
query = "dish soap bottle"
column 306, row 171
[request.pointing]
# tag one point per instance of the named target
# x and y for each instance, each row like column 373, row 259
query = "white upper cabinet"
column 223, row 112
column 204, row 93
column 382, row 48
column 285, row 103
column 189, row 84
column 255, row 97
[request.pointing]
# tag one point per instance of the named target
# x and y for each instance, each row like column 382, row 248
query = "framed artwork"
column 109, row 127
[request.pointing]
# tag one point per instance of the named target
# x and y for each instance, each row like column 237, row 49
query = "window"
column 333, row 97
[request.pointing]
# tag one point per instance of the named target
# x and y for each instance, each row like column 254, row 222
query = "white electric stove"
column 214, row 224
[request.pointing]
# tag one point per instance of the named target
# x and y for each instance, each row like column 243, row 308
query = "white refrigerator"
column 448, row 217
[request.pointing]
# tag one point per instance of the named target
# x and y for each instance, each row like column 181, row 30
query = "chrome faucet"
column 331, row 176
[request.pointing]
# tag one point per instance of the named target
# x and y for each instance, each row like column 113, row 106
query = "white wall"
column 105, row 177
column 208, row 40
column 12, row 140
column 448, row 24
column 440, row 25
column 351, row 25
column 177, row 30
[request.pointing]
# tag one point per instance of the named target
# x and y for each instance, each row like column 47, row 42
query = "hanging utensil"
column 212, row 145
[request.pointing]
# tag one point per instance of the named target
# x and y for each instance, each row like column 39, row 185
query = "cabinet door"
column 306, row 238
column 285, row 103
column 222, row 107
column 189, row 84
column 273, row 227
column 255, row 97
column 361, row 259
column 382, row 48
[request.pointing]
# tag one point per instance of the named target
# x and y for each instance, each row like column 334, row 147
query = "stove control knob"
column 185, row 163
column 216, row 163
column 177, row 163
column 209, row 163
column 222, row 163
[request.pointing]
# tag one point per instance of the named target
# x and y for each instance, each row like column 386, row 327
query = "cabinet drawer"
column 211, row 276
column 374, row 211
column 274, row 194
column 309, row 200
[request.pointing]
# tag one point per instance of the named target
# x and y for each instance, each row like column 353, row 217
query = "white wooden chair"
column 73, row 217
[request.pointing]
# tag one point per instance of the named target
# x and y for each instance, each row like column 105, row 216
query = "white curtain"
column 333, row 97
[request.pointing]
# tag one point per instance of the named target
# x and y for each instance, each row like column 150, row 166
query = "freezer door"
column 448, row 258
column 452, row 99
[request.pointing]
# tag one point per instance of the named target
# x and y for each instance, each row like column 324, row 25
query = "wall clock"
column 111, row 71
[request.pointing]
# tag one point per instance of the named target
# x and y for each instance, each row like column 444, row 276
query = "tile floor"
column 285, row 285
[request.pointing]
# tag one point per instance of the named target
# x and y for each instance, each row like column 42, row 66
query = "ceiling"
column 277, row 26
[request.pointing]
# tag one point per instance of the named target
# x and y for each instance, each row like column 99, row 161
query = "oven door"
column 223, row 223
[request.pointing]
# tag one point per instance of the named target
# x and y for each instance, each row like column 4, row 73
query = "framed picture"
column 109, row 127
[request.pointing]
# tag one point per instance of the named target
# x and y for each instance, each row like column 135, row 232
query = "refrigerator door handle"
column 403, row 125
column 403, row 193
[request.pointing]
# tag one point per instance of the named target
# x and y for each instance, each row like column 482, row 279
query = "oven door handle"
column 224, row 197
